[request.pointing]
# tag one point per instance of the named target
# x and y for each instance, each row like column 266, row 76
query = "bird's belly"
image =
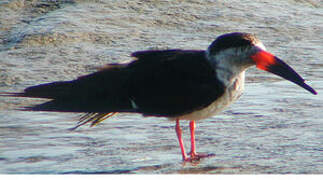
column 231, row 94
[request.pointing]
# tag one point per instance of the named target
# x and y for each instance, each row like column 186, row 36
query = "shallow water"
column 276, row 127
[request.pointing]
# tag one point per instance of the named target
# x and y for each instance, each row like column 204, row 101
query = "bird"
column 180, row 85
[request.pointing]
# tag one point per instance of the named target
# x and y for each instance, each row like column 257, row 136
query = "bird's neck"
column 233, row 78
column 228, row 73
column 230, row 65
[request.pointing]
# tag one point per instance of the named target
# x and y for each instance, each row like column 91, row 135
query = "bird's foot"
column 197, row 156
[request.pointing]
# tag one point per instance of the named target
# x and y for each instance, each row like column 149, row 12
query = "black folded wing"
column 159, row 83
column 172, row 82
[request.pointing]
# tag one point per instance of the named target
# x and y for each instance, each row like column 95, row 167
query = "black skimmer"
column 177, row 84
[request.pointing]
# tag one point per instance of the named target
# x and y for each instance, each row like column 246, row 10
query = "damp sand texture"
column 275, row 127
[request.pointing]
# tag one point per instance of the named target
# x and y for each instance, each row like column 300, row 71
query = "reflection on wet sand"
column 274, row 128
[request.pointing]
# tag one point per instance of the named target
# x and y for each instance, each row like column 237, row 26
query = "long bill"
column 268, row 62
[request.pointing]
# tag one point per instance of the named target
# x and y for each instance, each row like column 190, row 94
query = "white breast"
column 232, row 93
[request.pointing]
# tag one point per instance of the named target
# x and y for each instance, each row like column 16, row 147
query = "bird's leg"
column 192, row 129
column 180, row 140
column 193, row 154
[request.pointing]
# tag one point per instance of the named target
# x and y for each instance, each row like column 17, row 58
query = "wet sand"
column 275, row 127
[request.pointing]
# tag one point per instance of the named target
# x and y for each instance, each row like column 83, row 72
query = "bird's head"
column 235, row 52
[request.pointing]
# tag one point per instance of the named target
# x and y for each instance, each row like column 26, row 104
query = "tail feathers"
column 56, row 106
column 53, row 90
column 63, row 106
column 94, row 118
column 50, row 90
column 80, row 106
column 10, row 94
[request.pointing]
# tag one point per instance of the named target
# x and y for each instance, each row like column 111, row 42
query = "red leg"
column 192, row 128
column 180, row 140
column 193, row 154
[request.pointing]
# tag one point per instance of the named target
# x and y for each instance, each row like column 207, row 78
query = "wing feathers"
column 161, row 83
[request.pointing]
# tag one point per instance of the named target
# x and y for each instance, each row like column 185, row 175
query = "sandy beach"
column 275, row 128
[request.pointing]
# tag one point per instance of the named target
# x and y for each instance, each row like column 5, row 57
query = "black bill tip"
column 283, row 70
column 268, row 62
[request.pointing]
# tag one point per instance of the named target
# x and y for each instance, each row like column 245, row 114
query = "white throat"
column 232, row 63
column 228, row 66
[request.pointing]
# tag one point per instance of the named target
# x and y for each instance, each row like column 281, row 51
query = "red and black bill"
column 268, row 62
